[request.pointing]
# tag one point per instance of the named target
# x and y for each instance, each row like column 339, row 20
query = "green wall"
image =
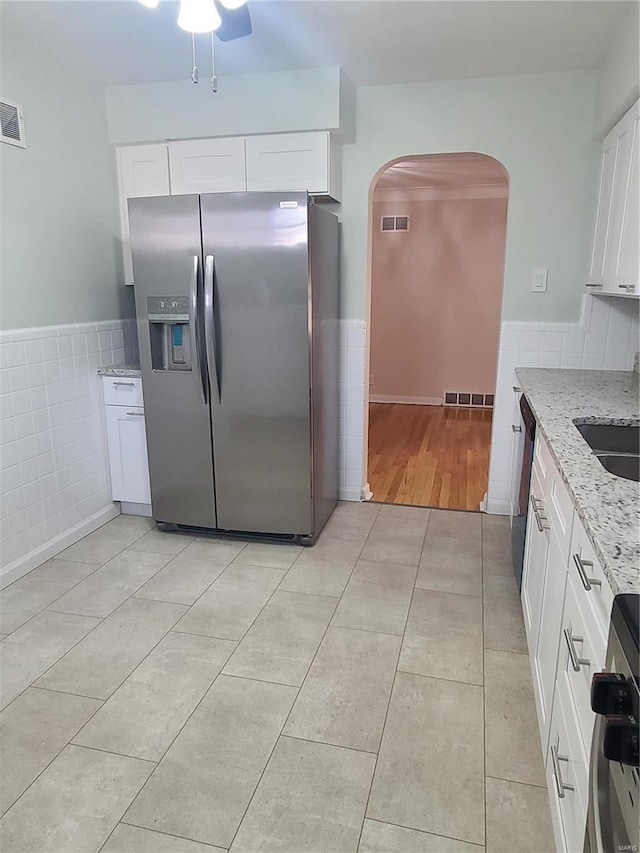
column 59, row 253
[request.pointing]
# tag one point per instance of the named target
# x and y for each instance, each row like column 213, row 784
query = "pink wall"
column 436, row 297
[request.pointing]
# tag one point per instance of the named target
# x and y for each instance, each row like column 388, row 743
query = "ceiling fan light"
column 233, row 4
column 150, row 4
column 198, row 16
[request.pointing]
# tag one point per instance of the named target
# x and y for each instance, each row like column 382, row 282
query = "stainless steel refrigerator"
column 236, row 301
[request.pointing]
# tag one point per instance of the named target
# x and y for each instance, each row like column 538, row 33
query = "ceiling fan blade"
column 236, row 23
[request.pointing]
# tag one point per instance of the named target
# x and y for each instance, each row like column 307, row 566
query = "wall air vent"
column 12, row 124
column 394, row 223
column 468, row 399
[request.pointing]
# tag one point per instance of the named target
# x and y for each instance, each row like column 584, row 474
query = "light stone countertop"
column 120, row 370
column 608, row 506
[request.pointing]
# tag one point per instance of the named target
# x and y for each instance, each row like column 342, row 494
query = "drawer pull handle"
column 626, row 286
column 538, row 513
column 570, row 640
column 561, row 785
column 137, row 414
column 132, row 384
column 516, row 388
column 592, row 284
column 516, row 428
column 582, row 565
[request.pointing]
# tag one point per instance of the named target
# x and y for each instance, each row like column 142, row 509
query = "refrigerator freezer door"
column 167, row 252
column 259, row 285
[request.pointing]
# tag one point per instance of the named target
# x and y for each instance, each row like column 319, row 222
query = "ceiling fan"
column 226, row 19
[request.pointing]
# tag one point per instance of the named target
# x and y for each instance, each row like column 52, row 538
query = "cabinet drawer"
column 567, row 775
column 122, row 390
column 592, row 583
column 583, row 648
column 556, row 505
column 542, row 460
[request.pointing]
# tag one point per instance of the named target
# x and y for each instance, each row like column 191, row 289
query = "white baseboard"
column 496, row 507
column 411, row 401
column 350, row 494
column 39, row 555
column 129, row 508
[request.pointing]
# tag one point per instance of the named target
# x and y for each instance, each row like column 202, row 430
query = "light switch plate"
column 539, row 281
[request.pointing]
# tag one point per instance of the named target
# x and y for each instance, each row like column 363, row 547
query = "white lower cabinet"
column 566, row 603
column 127, row 449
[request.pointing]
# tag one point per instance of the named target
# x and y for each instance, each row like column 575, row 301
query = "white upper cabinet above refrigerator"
column 208, row 166
column 615, row 257
column 143, row 170
column 286, row 162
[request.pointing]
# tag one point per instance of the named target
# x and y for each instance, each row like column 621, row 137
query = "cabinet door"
column 603, row 213
column 621, row 256
column 289, row 161
column 143, row 170
column 207, row 166
column 535, row 567
column 626, row 275
column 128, row 463
column 546, row 654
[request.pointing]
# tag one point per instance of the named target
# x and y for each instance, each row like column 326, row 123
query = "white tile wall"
column 606, row 337
column 352, row 408
column 53, row 464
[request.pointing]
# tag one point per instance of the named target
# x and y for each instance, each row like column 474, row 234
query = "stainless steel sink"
column 611, row 438
column 622, row 466
column 617, row 447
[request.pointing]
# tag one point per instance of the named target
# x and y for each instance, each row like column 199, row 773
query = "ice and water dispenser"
column 170, row 332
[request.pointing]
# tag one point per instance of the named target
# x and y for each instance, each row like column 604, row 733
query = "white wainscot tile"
column 550, row 359
column 593, row 360
column 530, row 341
column 510, row 340
column 571, row 360
column 615, row 361
column 572, row 342
column 595, row 342
column 528, row 358
column 551, row 341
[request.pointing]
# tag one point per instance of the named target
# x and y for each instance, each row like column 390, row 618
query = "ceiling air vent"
column 394, row 223
column 12, row 123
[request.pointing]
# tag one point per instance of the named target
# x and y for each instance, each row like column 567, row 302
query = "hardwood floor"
column 436, row 456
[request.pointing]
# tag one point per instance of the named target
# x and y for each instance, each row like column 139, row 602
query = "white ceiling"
column 375, row 41
column 443, row 171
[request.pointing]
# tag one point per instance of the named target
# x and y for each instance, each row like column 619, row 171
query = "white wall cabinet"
column 127, row 444
column 208, row 166
column 294, row 161
column 143, row 170
column 282, row 162
column 615, row 257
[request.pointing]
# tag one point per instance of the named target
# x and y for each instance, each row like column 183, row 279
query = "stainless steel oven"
column 613, row 816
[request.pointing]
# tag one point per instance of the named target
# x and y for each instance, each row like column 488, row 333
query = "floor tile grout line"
column 168, row 834
column 282, row 728
column 327, row 743
column 111, row 752
column 62, row 748
column 255, row 678
column 393, row 684
column 516, row 782
column 441, row 678
column 427, row 831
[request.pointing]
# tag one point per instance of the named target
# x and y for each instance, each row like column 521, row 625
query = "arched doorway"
column 437, row 242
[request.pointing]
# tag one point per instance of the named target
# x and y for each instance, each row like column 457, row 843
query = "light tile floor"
column 169, row 693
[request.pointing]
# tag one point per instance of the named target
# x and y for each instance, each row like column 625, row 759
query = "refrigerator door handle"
column 201, row 374
column 209, row 323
